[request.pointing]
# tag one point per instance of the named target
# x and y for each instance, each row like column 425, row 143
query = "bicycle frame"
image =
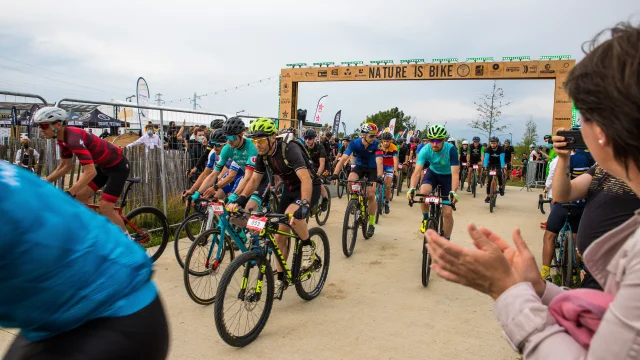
column 361, row 195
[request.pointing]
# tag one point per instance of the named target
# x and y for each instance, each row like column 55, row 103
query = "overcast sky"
column 97, row 50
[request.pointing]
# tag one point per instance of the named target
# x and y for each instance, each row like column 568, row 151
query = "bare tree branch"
column 489, row 107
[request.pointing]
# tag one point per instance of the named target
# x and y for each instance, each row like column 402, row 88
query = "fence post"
column 163, row 169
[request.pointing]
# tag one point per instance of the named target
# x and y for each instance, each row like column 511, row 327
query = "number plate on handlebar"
column 399, row 166
column 218, row 208
column 355, row 187
column 475, row 167
column 256, row 223
column 464, row 164
column 492, row 172
column 432, row 200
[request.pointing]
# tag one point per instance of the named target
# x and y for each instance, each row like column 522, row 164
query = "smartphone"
column 574, row 139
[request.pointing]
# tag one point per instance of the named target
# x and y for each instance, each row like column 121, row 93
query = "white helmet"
column 50, row 114
column 531, row 146
column 465, row 142
column 451, row 139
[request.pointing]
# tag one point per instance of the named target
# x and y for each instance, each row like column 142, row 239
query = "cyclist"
column 233, row 173
column 368, row 152
column 103, row 164
column 424, row 141
column 413, row 147
column 464, row 154
column 319, row 158
column 302, row 190
column 443, row 170
column 75, row 286
column 214, row 145
column 475, row 157
column 494, row 159
column 452, row 141
column 390, row 166
column 509, row 154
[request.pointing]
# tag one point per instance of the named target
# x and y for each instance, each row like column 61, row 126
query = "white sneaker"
column 308, row 254
column 278, row 288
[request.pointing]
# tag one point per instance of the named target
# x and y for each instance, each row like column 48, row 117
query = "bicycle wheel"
column 426, row 257
column 350, row 227
column 474, row 183
column 364, row 219
column 400, row 181
column 323, row 216
column 394, row 184
column 273, row 201
column 409, row 174
column 240, row 296
column 311, row 281
column 567, row 260
column 187, row 232
column 148, row 227
column 202, row 267
column 492, row 195
column 341, row 187
column 378, row 200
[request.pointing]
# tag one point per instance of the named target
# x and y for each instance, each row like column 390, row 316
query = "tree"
column 382, row 118
column 489, row 107
column 530, row 133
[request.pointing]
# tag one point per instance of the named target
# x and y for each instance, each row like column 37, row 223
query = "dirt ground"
column 373, row 304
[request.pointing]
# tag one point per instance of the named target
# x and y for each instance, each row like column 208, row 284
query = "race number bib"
column 355, row 187
column 432, row 200
column 218, row 208
column 464, row 164
column 256, row 223
column 475, row 167
column 492, row 172
column 399, row 166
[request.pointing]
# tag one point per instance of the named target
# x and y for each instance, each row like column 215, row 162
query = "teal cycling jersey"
column 62, row 264
column 244, row 156
column 439, row 162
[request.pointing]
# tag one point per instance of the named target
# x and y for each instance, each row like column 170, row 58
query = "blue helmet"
column 476, row 139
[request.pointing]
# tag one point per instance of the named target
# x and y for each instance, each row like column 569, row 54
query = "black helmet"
column 233, row 126
column 494, row 139
column 310, row 133
column 476, row 138
column 217, row 137
column 386, row 136
column 346, row 138
column 216, row 124
column 424, row 136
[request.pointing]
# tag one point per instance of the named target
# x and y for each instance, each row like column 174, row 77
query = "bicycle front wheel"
column 474, row 183
column 241, row 297
column 323, row 216
column 400, row 181
column 350, row 228
column 426, row 257
column 187, row 232
column 492, row 196
column 148, row 227
column 341, row 187
column 311, row 281
column 567, row 260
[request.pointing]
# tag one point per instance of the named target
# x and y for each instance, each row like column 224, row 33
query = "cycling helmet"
column 216, row 124
column 369, row 128
column 355, row 136
column 465, row 142
column 386, row 136
column 531, row 146
column 437, row 132
column 217, row 137
column 50, row 114
column 310, row 133
column 262, row 127
column 414, row 139
column 424, row 136
column 346, row 138
column 494, row 139
column 484, row 144
column 234, row 126
column 476, row 139
column 451, row 140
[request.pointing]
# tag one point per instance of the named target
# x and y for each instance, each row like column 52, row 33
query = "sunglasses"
column 371, row 136
column 231, row 138
column 259, row 140
column 436, row 141
column 43, row 126
column 217, row 144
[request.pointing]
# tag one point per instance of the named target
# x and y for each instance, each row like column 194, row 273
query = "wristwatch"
column 303, row 203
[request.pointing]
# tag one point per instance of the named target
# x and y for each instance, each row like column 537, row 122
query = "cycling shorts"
column 112, row 178
column 362, row 172
column 388, row 169
column 509, row 166
column 291, row 196
column 141, row 335
column 557, row 216
column 433, row 179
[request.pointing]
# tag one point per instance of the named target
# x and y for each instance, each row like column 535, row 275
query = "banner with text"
column 336, row 124
column 318, row 117
column 142, row 91
column 392, row 126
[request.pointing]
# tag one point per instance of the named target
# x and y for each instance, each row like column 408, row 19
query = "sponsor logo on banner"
column 322, row 73
column 513, row 69
column 142, row 91
column 479, row 70
column 319, row 109
column 463, row 70
column 547, row 69
column 104, row 117
column 336, row 123
column 392, row 125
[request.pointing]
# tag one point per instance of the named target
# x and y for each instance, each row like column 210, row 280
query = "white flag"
column 392, row 126
column 318, row 118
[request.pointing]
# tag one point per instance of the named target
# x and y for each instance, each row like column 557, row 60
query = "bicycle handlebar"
column 411, row 201
column 541, row 202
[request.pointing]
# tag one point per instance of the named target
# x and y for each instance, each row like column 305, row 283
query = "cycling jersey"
column 365, row 157
column 245, row 156
column 508, row 151
column 419, row 148
column 463, row 155
column 213, row 159
column 86, row 267
column 295, row 157
column 88, row 148
column 475, row 153
column 494, row 157
column 388, row 155
column 439, row 162
column 402, row 153
column 413, row 148
column 233, row 185
column 317, row 152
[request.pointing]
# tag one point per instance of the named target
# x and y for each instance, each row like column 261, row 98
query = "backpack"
column 291, row 138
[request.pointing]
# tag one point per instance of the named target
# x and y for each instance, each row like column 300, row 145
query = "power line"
column 238, row 87
column 159, row 100
column 54, row 71
column 195, row 101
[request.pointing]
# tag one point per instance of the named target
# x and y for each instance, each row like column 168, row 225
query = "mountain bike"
column 400, row 179
column 321, row 215
column 239, row 297
column 435, row 201
column 192, row 226
column 474, row 179
column 410, row 167
column 464, row 171
column 146, row 225
column 380, row 197
column 342, row 187
column 356, row 214
column 493, row 186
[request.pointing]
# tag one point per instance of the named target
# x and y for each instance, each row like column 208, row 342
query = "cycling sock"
column 545, row 272
column 280, row 276
column 386, row 202
column 306, row 242
column 425, row 216
column 372, row 219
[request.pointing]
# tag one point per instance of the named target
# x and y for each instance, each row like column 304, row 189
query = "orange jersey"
column 388, row 154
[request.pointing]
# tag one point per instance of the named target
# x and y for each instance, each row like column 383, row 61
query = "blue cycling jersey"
column 213, row 159
column 439, row 162
column 365, row 157
column 420, row 146
column 62, row 264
